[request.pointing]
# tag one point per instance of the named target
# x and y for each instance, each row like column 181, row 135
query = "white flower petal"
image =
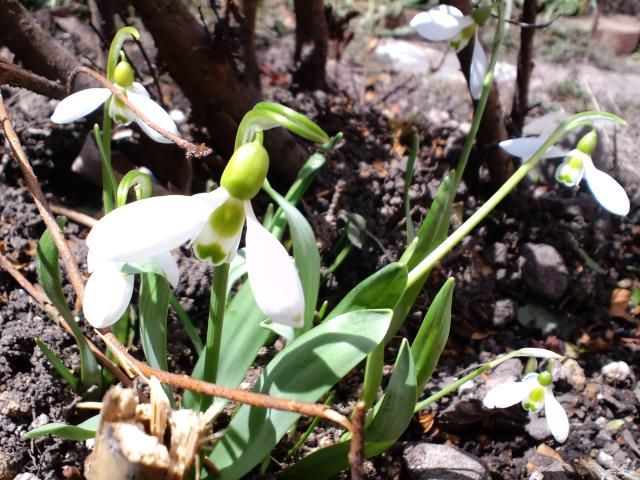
column 606, row 190
column 273, row 276
column 149, row 227
column 525, row 147
column 442, row 23
column 506, row 394
column 94, row 262
column 556, row 416
column 537, row 352
column 79, row 104
column 155, row 113
column 478, row 70
column 139, row 89
column 107, row 295
column 169, row 266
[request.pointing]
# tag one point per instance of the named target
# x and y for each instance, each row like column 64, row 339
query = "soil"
column 505, row 295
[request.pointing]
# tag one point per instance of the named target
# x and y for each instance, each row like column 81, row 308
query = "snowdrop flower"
column 445, row 23
column 109, row 289
column 535, row 392
column 213, row 222
column 577, row 165
column 84, row 102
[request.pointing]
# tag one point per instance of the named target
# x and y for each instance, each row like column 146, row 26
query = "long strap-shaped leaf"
column 390, row 417
column 305, row 370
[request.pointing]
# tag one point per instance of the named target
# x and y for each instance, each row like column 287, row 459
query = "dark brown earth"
column 501, row 281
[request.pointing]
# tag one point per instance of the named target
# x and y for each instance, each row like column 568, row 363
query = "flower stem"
column 214, row 328
column 576, row 121
column 103, row 140
column 484, row 96
column 478, row 371
column 445, row 247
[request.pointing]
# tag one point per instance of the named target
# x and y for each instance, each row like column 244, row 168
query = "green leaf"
column 303, row 180
column 143, row 266
column 153, row 308
column 382, row 289
column 186, row 322
column 48, row 271
column 433, row 334
column 60, row 367
column 408, row 177
column 242, row 337
column 267, row 115
column 389, row 419
column 305, row 370
column 432, row 232
column 305, row 251
column 78, row 433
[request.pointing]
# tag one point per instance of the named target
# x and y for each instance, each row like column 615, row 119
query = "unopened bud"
column 588, row 143
column 245, row 173
column 123, row 74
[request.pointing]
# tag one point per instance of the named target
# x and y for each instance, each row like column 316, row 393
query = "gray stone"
column 427, row 461
column 548, row 466
column 538, row 427
column 544, row 272
column 504, row 312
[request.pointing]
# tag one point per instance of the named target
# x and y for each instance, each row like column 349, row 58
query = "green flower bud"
column 123, row 74
column 545, row 379
column 588, row 143
column 246, row 171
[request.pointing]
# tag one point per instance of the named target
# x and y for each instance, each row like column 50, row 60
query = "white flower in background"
column 84, row 102
column 577, row 165
column 535, row 392
column 213, row 222
column 445, row 23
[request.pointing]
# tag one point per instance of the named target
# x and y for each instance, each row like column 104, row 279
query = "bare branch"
column 33, row 186
column 242, row 396
column 356, row 452
column 39, row 296
column 15, row 76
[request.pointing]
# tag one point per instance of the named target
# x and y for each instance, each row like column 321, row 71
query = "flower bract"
column 534, row 392
column 576, row 166
column 213, row 222
column 446, row 23
column 82, row 103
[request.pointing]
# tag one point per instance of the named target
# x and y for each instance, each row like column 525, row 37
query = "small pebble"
column 605, row 459
column 536, row 475
column 616, row 371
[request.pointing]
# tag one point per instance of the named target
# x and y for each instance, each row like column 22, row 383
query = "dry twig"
column 191, row 149
column 39, row 296
column 15, row 76
column 356, row 452
column 68, row 259
column 242, row 396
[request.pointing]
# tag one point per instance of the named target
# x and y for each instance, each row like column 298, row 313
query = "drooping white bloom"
column 108, row 290
column 84, row 102
column 576, row 166
column 213, row 222
column 445, row 23
column 535, row 392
